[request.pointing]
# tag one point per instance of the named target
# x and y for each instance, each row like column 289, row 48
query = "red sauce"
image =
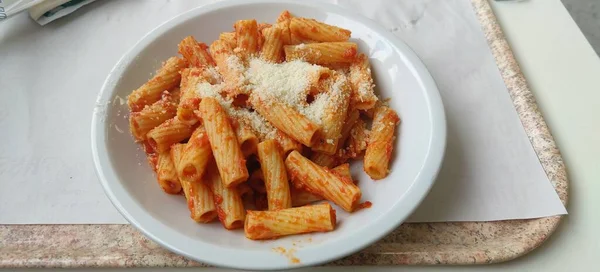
column 221, row 214
column 259, row 231
column 364, row 205
column 333, row 218
column 245, row 44
column 147, row 147
column 240, row 100
column 218, row 199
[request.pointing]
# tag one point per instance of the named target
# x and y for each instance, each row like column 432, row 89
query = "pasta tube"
column 195, row 53
column 229, row 39
column 357, row 141
column 275, row 176
column 323, row 182
column 261, row 225
column 322, row 53
column 247, row 36
column 272, row 49
column 324, row 160
column 166, row 174
column 223, row 141
column 197, row 193
column 170, row 132
column 195, row 156
column 286, row 143
column 363, row 94
column 336, row 111
column 301, row 197
column 381, row 143
column 246, row 139
column 230, row 66
column 141, row 122
column 314, row 30
column 288, row 120
column 230, row 208
column 166, row 78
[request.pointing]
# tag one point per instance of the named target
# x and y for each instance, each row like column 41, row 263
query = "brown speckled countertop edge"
column 69, row 246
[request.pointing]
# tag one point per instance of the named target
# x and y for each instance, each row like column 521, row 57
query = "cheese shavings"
column 252, row 119
column 289, row 83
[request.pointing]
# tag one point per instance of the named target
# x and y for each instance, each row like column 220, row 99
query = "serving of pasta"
column 257, row 129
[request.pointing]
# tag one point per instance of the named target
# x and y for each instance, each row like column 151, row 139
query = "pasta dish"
column 257, row 129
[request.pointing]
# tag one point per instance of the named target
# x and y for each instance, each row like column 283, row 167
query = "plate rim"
column 341, row 248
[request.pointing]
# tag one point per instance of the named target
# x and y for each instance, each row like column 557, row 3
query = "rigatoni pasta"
column 229, row 65
column 309, row 176
column 195, row 53
column 166, row 78
column 260, row 225
column 272, row 49
column 229, row 39
column 141, row 122
column 195, row 156
column 363, row 95
column 314, row 30
column 247, row 36
column 322, row 53
column 288, row 120
column 223, row 141
column 167, row 175
column 335, row 114
column 302, row 197
column 246, row 139
column 197, row 193
column 170, row 132
column 275, row 176
column 230, row 208
column 286, row 143
column 380, row 145
column 358, row 139
column 233, row 125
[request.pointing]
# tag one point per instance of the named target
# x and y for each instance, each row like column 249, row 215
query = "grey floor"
column 586, row 14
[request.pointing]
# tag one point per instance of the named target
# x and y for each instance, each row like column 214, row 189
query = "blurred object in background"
column 42, row 11
column 586, row 14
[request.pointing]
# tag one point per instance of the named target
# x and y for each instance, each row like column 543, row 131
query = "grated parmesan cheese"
column 288, row 83
column 364, row 84
column 252, row 119
column 235, row 63
column 315, row 110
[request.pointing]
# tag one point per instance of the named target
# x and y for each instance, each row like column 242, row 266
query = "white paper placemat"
column 50, row 77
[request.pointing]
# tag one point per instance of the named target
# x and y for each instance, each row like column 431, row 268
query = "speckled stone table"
column 435, row 243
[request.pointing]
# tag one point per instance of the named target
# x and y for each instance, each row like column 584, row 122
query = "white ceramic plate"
column 132, row 188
